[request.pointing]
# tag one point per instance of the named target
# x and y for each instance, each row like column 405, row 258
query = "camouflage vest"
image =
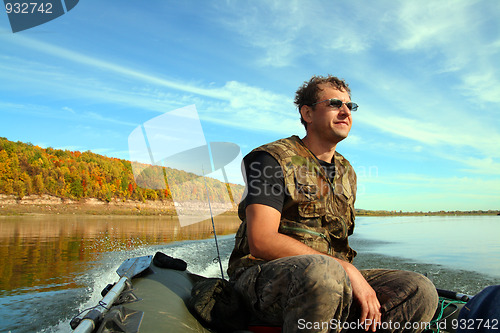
column 316, row 211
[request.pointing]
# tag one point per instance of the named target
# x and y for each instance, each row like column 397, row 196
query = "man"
column 292, row 259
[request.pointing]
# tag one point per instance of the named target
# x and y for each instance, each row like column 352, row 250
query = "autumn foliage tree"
column 27, row 169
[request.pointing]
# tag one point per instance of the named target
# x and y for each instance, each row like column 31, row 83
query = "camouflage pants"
column 312, row 293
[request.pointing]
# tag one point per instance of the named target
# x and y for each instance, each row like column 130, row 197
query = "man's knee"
column 320, row 292
column 424, row 290
column 427, row 289
column 324, row 277
column 423, row 302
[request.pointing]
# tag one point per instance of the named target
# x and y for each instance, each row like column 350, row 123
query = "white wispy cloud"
column 458, row 36
column 68, row 109
column 430, row 133
column 242, row 105
column 289, row 30
column 424, row 25
column 65, row 113
column 439, row 193
column 486, row 166
column 455, row 36
column 482, row 86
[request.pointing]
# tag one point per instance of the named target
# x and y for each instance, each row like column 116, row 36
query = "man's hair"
column 308, row 93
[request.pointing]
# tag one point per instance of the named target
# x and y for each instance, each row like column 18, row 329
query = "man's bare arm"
column 264, row 239
column 267, row 243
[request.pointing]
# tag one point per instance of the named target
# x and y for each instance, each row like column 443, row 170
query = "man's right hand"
column 365, row 295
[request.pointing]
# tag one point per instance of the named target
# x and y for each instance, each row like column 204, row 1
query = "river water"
column 52, row 267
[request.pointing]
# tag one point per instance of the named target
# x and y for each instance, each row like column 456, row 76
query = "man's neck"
column 323, row 150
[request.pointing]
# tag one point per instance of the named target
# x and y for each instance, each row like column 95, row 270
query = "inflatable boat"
column 153, row 296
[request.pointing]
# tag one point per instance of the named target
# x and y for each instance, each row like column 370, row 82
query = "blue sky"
column 425, row 74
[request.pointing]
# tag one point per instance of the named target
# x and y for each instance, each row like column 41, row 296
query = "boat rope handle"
column 101, row 303
column 443, row 307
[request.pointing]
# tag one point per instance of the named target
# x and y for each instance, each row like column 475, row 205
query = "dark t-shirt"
column 265, row 182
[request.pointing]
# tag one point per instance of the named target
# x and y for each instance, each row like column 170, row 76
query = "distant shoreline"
column 46, row 204
column 363, row 212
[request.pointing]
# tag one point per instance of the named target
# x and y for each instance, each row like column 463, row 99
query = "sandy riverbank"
column 47, row 204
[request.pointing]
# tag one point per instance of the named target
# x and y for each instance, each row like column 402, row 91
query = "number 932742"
column 28, row 8
column 475, row 324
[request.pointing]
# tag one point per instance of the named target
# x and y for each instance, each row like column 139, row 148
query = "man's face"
column 330, row 123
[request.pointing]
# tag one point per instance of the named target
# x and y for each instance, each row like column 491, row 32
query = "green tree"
column 38, row 185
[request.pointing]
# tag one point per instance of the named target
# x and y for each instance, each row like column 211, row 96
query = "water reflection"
column 46, row 252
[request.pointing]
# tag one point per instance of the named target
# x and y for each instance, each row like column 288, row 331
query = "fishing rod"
column 213, row 224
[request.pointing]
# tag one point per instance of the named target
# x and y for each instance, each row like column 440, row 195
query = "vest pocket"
column 337, row 228
column 307, row 191
column 311, row 209
column 311, row 191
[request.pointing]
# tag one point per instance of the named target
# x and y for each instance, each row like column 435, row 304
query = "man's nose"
column 344, row 110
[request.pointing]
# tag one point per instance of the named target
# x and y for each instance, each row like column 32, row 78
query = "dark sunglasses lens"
column 336, row 103
column 349, row 105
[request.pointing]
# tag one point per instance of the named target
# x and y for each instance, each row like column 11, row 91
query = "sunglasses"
column 337, row 103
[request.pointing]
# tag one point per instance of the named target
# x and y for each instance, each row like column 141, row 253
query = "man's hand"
column 365, row 296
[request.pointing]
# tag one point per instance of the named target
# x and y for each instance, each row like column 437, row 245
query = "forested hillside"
column 27, row 169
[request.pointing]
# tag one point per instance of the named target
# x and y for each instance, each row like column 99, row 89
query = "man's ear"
column 305, row 112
